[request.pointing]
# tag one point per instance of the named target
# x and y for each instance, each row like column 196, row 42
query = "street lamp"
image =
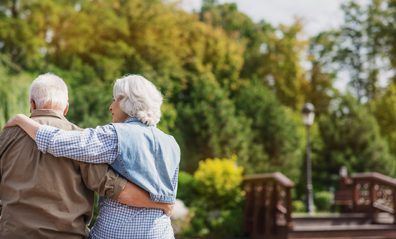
column 308, row 118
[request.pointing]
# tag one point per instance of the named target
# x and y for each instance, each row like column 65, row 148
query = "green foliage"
column 384, row 110
column 364, row 48
column 277, row 133
column 351, row 138
column 216, row 224
column 186, row 190
column 207, row 123
column 283, row 70
column 323, row 201
column 90, row 103
column 14, row 90
column 298, row 206
column 389, row 33
column 361, row 47
column 220, row 179
column 168, row 117
column 270, row 54
column 226, row 223
column 320, row 90
column 216, row 204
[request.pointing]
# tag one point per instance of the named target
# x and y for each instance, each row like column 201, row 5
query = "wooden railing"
column 268, row 205
column 368, row 193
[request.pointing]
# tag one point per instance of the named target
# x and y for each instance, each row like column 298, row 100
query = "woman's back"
column 149, row 158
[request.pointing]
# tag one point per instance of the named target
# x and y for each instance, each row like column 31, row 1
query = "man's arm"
column 100, row 179
column 103, row 180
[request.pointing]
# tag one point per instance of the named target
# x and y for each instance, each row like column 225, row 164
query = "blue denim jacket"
column 149, row 158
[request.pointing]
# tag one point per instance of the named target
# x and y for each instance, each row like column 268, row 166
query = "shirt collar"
column 47, row 112
column 132, row 119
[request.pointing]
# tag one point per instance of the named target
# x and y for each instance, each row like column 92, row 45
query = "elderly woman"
column 133, row 146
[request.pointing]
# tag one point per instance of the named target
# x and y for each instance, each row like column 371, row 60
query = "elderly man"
column 44, row 197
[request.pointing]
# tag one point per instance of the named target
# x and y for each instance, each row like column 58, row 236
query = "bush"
column 186, row 188
column 218, row 181
column 226, row 223
column 298, row 206
column 323, row 201
column 215, row 198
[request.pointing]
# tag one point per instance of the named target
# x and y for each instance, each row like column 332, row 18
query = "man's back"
column 44, row 197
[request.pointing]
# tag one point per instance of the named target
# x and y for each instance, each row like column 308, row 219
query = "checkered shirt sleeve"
column 98, row 145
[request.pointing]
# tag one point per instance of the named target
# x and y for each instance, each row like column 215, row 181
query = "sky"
column 318, row 15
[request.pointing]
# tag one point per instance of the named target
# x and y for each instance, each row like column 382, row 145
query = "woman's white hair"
column 49, row 91
column 139, row 98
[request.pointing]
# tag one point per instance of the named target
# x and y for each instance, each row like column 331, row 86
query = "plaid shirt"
column 99, row 145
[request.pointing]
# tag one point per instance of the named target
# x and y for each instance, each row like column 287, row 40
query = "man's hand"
column 134, row 196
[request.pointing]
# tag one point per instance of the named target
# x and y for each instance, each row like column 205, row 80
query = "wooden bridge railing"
column 368, row 193
column 268, row 205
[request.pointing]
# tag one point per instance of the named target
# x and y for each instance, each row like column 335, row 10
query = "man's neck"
column 59, row 112
column 47, row 112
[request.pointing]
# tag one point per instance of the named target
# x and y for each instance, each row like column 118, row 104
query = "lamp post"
column 308, row 118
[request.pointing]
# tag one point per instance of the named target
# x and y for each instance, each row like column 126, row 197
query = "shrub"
column 186, row 188
column 215, row 198
column 323, row 201
column 298, row 206
column 218, row 181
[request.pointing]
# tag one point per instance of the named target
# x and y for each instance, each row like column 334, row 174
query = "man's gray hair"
column 49, row 91
column 139, row 98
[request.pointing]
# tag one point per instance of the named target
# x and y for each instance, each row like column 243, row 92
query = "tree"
column 13, row 100
column 18, row 40
column 351, row 137
column 208, row 125
column 389, row 31
column 320, row 90
column 384, row 110
column 277, row 63
column 271, row 54
column 277, row 134
column 362, row 47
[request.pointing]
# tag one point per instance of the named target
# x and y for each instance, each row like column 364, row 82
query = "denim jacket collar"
column 132, row 119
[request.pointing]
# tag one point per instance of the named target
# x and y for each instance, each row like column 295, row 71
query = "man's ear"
column 66, row 109
column 32, row 105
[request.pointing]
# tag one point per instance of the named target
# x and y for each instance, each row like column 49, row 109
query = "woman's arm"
column 99, row 145
column 27, row 124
